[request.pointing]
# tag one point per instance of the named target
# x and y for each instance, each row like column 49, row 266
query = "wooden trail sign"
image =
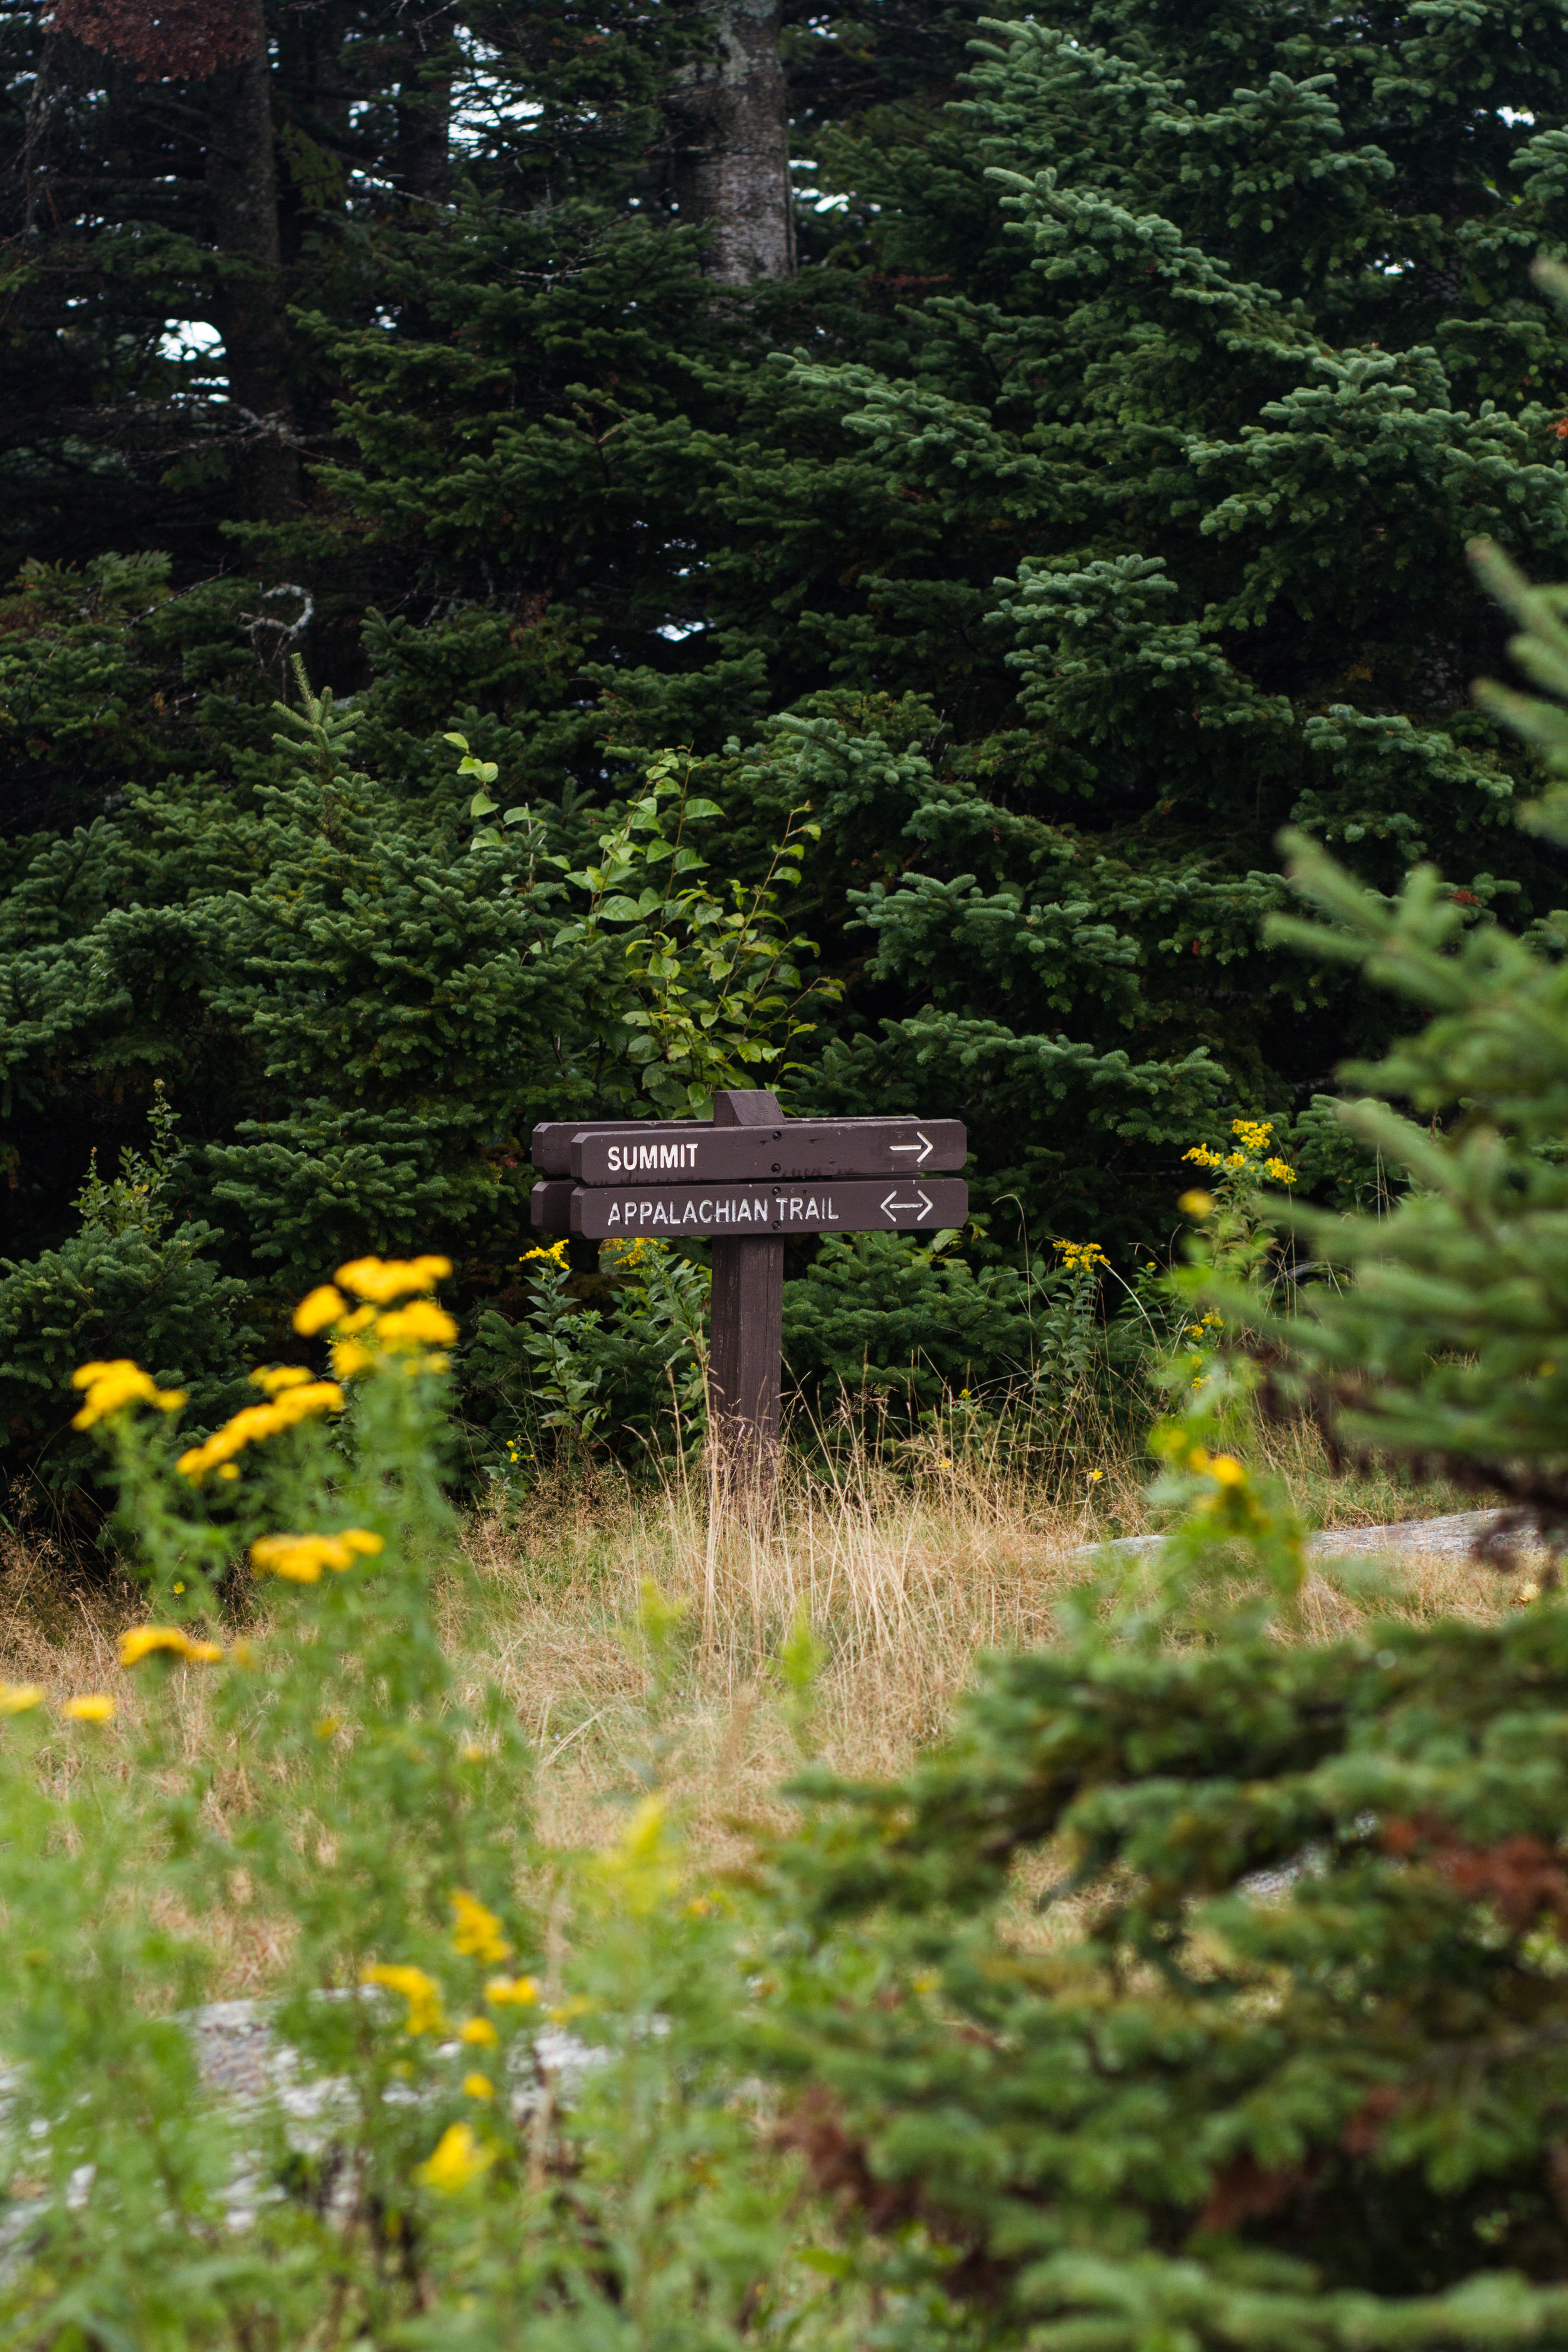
column 701, row 1212
column 743, row 1180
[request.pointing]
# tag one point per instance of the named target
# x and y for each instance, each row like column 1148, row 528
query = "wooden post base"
column 744, row 1364
column 747, row 1342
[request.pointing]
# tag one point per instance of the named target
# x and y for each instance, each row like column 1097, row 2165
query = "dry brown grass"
column 902, row 1584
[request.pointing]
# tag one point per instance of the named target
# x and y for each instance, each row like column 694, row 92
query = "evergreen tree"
column 1081, row 511
column 1289, row 2069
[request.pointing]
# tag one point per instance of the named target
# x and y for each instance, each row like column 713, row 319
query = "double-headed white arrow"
column 924, row 1148
column 921, row 1200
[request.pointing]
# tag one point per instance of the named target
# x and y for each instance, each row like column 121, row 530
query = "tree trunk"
column 423, row 151
column 242, row 188
column 729, row 121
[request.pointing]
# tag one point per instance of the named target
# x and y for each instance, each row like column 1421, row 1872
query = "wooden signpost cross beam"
column 741, row 1180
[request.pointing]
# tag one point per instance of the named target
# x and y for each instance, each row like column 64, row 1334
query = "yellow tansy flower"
column 459, row 2159
column 111, row 1387
column 478, row 2086
column 480, row 2032
column 382, row 1280
column 15, row 1698
column 93, row 1706
column 144, row 1641
column 317, row 1308
column 477, row 1933
column 301, row 1559
column 511, row 1992
column 422, row 1994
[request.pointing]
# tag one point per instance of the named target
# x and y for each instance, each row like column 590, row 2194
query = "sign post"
column 742, row 1181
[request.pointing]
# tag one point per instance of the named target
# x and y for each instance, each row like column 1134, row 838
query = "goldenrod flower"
column 382, row 1280
column 1196, row 1204
column 459, row 2159
column 422, row 1994
column 93, row 1706
column 255, row 1422
column 15, row 1698
column 111, row 1387
column 1080, row 1257
column 480, row 2032
column 556, row 1254
column 349, row 1358
column 143, row 1641
column 511, row 1992
column 301, row 1559
column 317, row 1308
column 478, row 2086
column 1280, row 1169
column 1254, row 1132
column 1204, row 1156
column 422, row 1324
column 273, row 1378
column 478, row 1933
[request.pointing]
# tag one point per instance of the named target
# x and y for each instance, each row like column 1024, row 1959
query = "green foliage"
column 1287, row 2066
column 123, row 1285
column 1083, row 513
column 713, row 995
column 499, row 2099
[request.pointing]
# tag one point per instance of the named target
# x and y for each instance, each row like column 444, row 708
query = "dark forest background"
column 1047, row 446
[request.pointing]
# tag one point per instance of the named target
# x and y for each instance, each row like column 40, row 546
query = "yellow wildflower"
column 1254, row 1132
column 93, row 1706
column 556, row 1254
column 1081, row 1257
column 317, row 1308
column 1228, row 1470
column 459, row 2159
column 273, row 1378
column 15, row 1698
column 641, row 1865
column 478, row 1934
column 422, row 1994
column 1204, row 1156
column 1196, row 1204
column 1094, row 1475
column 480, row 2032
column 478, row 2086
column 1280, row 1169
column 111, row 1387
column 1236, row 1160
column 382, row 1280
column 301, row 1559
column 349, row 1358
column 511, row 1992
column 421, row 1324
column 143, row 1641
column 254, row 1423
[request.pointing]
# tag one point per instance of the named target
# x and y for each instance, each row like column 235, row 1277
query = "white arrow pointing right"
column 924, row 1153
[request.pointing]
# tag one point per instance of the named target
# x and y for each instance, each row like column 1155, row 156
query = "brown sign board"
column 798, row 1147
column 550, row 1146
column 741, row 1180
column 734, row 1212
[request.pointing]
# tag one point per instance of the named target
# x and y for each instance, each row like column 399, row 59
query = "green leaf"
column 701, row 808
column 482, row 805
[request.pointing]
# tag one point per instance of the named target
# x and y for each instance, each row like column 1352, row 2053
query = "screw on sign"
column 742, row 1181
